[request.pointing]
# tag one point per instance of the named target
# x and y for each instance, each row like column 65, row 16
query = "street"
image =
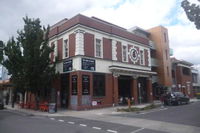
column 185, row 114
column 171, row 119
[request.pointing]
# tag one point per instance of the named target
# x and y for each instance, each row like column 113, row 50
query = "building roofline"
column 97, row 24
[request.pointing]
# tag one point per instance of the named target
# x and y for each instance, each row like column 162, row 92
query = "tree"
column 28, row 58
column 192, row 11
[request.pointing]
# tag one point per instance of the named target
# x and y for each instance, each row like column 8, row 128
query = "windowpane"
column 66, row 47
column 141, row 57
column 98, row 47
column 99, row 85
column 124, row 53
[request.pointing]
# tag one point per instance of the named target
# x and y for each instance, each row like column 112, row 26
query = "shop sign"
column 88, row 64
column 94, row 103
column 74, row 85
column 67, row 65
column 86, row 85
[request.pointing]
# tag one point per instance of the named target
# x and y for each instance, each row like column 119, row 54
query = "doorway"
column 64, row 93
column 142, row 90
column 124, row 88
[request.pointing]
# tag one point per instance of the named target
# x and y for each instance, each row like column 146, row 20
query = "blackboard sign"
column 67, row 65
column 74, row 85
column 88, row 64
column 86, row 85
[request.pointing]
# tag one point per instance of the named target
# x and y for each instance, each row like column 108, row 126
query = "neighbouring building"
column 100, row 64
column 161, row 62
column 5, row 85
column 195, row 81
column 182, row 76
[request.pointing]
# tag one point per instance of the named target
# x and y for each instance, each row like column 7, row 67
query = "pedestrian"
column 7, row 98
column 162, row 100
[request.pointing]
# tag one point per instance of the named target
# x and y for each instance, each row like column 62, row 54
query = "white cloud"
column 184, row 38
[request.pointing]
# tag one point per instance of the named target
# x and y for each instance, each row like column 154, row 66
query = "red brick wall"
column 119, row 51
column 60, row 49
column 89, row 44
column 183, row 79
column 106, row 100
column 107, row 49
column 72, row 45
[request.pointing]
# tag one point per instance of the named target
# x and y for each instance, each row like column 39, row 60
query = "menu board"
column 74, row 85
column 67, row 65
column 86, row 85
column 88, row 64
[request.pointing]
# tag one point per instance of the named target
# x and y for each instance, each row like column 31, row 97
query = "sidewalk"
column 104, row 115
column 101, row 111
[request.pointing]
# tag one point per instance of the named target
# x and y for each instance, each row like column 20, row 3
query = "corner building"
column 99, row 64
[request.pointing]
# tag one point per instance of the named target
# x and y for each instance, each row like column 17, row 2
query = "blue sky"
column 184, row 37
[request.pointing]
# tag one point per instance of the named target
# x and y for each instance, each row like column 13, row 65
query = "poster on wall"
column 74, row 85
column 86, row 85
column 88, row 64
column 67, row 65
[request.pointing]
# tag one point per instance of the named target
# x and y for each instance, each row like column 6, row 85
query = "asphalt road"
column 11, row 122
column 188, row 114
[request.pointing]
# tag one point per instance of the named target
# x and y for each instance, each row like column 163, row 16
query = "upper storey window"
column 141, row 57
column 98, row 48
column 124, row 53
column 66, row 49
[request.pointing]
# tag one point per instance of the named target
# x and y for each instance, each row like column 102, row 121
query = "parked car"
column 175, row 98
column 1, row 104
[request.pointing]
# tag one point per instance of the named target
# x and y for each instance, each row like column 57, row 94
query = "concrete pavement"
column 106, row 115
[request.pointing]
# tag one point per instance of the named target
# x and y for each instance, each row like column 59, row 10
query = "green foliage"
column 27, row 58
column 136, row 109
column 192, row 11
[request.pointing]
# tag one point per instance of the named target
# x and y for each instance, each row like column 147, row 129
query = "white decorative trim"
column 114, row 50
column 134, row 51
column 79, row 42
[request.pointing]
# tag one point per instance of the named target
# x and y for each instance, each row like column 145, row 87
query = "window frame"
column 64, row 48
column 123, row 53
column 101, row 48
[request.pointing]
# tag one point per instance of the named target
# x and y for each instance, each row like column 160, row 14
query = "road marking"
column 52, row 118
column 112, row 131
column 138, row 130
column 164, row 109
column 61, row 120
column 70, row 122
column 83, row 125
column 98, row 128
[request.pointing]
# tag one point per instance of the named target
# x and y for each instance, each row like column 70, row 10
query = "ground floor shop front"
column 85, row 90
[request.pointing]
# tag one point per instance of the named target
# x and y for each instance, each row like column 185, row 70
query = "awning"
column 130, row 71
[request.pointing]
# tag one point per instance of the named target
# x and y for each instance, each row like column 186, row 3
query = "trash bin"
column 52, row 107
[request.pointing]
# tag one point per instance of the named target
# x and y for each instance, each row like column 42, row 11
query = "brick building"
column 182, row 76
column 99, row 63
